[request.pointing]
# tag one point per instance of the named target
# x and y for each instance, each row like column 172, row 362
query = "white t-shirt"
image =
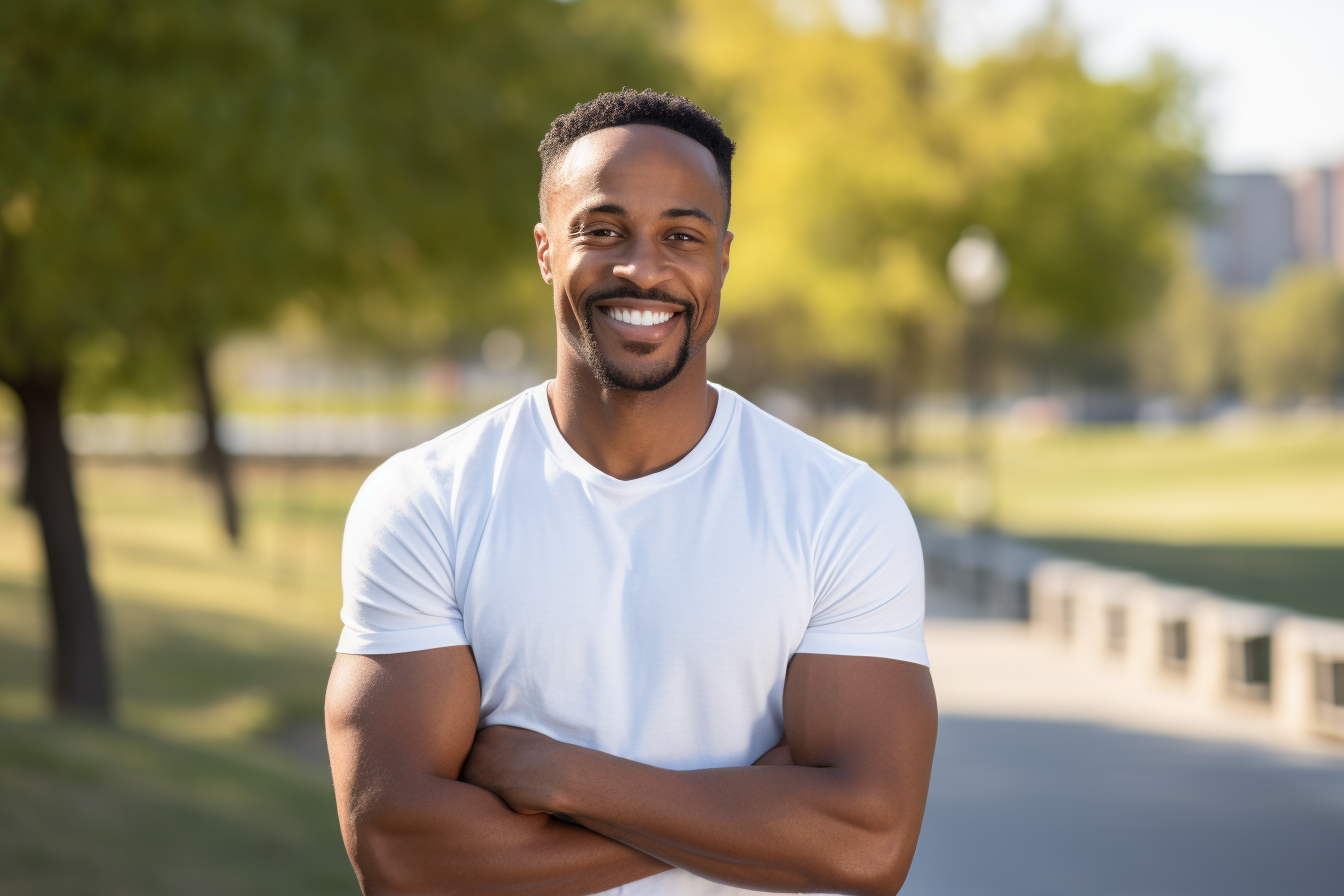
column 652, row 618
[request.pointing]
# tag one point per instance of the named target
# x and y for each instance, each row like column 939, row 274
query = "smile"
column 638, row 318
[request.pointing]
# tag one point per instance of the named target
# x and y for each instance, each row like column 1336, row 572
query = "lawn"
column 1272, row 484
column 213, row 781
column 1252, row 510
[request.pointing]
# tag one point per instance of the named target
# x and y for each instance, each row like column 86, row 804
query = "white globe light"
column 977, row 267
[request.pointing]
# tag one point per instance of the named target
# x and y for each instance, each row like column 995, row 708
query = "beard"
column 610, row 374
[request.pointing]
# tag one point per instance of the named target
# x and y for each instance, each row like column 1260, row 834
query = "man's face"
column 635, row 248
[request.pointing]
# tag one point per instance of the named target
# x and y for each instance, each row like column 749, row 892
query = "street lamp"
column 978, row 270
column 977, row 267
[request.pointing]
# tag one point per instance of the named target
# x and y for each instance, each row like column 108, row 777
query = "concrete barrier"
column 1101, row 612
column 1051, row 599
column 1230, row 650
column 987, row 573
column 1158, row 634
column 1228, row 653
column 1308, row 675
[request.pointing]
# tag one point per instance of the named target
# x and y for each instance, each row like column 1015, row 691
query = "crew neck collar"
column 725, row 413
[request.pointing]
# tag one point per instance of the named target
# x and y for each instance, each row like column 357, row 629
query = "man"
column 627, row 632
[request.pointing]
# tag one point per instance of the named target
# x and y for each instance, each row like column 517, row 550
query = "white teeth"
column 638, row 318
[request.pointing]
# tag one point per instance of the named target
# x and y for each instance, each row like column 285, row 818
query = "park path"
column 1053, row 779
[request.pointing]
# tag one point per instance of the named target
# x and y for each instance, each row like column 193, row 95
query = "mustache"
column 630, row 291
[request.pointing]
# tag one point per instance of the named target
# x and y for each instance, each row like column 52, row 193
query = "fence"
column 1242, row 656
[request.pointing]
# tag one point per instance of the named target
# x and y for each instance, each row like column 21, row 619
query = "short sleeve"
column 868, row 575
column 396, row 569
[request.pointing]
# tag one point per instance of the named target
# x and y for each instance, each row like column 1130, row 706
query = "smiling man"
column 627, row 632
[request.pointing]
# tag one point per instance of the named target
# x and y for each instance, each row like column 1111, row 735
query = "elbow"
column 378, row 855
column 391, row 857
column 374, row 856
column 878, row 868
column 877, row 882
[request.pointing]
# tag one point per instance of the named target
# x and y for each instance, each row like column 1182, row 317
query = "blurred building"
column 1261, row 221
column 1318, row 213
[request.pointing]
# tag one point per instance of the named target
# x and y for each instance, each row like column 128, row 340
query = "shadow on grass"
column 171, row 660
column 234, row 800
column 1309, row 579
column 176, row 669
column 92, row 809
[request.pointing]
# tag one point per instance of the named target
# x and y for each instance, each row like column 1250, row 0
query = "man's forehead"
column 600, row 160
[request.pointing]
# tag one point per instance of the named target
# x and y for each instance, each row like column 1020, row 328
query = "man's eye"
column 682, row 237
column 600, row 231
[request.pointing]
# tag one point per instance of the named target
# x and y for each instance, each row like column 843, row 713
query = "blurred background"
column 1070, row 274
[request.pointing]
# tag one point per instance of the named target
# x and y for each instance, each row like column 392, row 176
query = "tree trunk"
column 215, row 461
column 79, row 673
column 898, row 382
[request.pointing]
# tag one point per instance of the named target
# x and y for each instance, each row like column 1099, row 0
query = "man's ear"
column 543, row 251
column 723, row 262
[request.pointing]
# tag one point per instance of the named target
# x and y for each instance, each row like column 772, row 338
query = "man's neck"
column 628, row 434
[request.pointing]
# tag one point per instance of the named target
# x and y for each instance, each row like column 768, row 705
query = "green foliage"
column 1089, row 180
column 1291, row 341
column 1183, row 346
column 862, row 159
column 172, row 172
column 447, row 103
column 141, row 139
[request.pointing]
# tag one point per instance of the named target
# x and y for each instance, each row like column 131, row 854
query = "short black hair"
column 612, row 110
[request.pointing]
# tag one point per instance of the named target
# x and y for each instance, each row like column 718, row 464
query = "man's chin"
column 648, row 376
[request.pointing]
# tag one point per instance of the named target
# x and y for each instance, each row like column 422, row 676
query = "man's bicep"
column 400, row 713
column 872, row 717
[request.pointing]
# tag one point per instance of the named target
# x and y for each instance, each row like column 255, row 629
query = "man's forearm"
column 845, row 819
column 777, row 828
column 445, row 837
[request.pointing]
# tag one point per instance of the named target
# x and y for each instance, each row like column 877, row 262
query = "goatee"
column 610, row 375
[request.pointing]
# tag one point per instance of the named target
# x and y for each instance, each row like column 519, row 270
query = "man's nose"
column 643, row 265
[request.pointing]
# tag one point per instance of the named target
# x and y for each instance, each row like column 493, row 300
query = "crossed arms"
column 430, row 806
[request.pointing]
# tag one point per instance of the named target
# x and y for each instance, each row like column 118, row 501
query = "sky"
column 1271, row 71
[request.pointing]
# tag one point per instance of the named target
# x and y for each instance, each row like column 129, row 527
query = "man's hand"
column 516, row 765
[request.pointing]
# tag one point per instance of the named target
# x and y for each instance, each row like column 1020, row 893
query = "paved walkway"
column 1056, row 780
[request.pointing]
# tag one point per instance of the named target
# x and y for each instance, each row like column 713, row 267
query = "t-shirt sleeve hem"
column 404, row 641
column 885, row 646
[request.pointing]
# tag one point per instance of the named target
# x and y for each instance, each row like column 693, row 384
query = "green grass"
column 91, row 809
column 1309, row 579
column 212, row 781
column 1271, row 485
column 1255, row 511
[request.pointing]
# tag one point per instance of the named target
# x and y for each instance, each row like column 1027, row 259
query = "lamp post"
column 978, row 270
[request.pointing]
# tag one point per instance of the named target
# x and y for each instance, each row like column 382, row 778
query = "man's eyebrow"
column 688, row 213
column 607, row 208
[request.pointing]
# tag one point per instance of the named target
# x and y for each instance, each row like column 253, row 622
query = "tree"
column 1180, row 350
column 864, row 157
column 1291, row 340
column 171, row 172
